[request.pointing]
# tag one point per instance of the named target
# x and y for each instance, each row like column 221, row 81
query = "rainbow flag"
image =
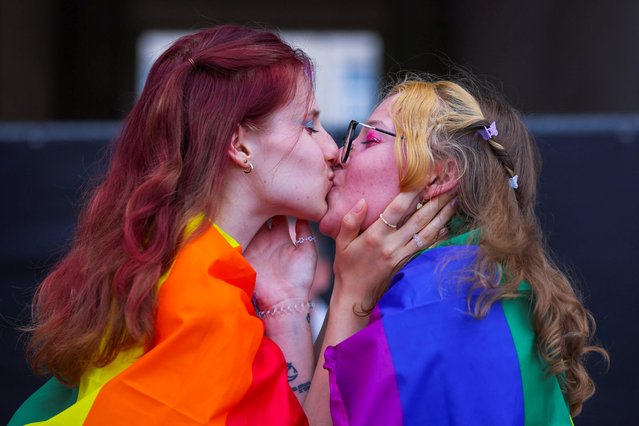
column 424, row 360
column 210, row 363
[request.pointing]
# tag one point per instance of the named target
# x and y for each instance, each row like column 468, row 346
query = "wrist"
column 345, row 317
column 287, row 319
column 269, row 297
column 347, row 308
column 290, row 307
column 349, row 294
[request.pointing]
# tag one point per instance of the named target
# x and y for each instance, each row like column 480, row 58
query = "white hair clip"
column 513, row 182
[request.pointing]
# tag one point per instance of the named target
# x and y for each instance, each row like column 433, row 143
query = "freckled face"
column 293, row 160
column 370, row 173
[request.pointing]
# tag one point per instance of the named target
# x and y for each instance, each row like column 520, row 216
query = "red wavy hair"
column 167, row 167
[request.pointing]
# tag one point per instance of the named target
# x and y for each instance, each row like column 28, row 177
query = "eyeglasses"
column 354, row 128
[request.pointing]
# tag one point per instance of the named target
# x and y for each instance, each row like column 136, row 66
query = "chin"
column 313, row 215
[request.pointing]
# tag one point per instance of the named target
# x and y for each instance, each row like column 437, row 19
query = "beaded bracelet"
column 288, row 309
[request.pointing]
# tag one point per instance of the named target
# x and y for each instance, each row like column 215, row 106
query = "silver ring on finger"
column 302, row 240
column 418, row 240
column 390, row 225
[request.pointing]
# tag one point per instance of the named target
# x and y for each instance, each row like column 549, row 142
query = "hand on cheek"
column 365, row 262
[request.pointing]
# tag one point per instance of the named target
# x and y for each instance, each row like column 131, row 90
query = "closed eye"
column 371, row 137
column 308, row 125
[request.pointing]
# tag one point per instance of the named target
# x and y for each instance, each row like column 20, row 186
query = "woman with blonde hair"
column 483, row 328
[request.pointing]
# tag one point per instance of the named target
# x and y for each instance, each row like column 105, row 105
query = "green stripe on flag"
column 543, row 401
column 52, row 398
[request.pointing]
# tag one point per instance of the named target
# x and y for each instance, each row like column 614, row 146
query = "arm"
column 284, row 276
column 373, row 255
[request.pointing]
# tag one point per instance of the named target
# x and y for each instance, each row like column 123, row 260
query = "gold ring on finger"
column 390, row 225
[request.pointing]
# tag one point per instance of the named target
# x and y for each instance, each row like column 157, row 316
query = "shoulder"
column 208, row 277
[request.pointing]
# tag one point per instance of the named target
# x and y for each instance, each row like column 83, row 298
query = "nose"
column 338, row 160
column 337, row 163
column 330, row 150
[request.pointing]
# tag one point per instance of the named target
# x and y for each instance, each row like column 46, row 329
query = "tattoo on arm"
column 304, row 387
column 292, row 371
column 292, row 375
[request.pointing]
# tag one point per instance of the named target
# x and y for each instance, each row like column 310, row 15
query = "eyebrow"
column 374, row 123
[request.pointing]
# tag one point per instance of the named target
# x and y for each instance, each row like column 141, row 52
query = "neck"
column 241, row 211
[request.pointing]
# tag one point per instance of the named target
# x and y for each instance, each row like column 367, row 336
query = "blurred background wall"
column 68, row 76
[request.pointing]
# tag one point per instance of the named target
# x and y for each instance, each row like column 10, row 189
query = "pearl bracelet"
column 306, row 307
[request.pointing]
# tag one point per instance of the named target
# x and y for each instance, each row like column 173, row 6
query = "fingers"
column 434, row 230
column 274, row 231
column 304, row 235
column 262, row 233
column 396, row 211
column 302, row 228
column 428, row 216
column 279, row 223
column 351, row 224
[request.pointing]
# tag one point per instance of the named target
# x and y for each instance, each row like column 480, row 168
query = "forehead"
column 381, row 116
column 294, row 111
column 302, row 101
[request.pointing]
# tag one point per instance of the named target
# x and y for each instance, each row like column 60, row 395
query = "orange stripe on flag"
column 207, row 336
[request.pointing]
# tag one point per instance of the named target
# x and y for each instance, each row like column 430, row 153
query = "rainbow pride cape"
column 210, row 364
column 424, row 360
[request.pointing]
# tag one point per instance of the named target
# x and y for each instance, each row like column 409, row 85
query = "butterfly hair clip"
column 488, row 132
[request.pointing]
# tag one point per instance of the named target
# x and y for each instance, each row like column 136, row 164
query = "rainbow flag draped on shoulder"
column 210, row 364
column 424, row 360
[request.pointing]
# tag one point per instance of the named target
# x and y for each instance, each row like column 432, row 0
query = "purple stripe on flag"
column 367, row 385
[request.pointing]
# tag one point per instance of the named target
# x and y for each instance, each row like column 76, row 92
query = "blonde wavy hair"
column 439, row 120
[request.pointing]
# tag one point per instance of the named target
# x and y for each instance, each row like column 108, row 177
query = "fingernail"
column 454, row 202
column 443, row 231
column 359, row 206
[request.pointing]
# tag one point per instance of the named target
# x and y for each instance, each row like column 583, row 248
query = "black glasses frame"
column 348, row 141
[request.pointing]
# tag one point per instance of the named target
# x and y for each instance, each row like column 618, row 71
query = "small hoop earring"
column 249, row 170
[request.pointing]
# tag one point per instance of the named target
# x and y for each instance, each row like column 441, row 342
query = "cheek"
column 378, row 188
column 378, row 200
column 363, row 185
column 372, row 177
column 298, row 166
column 307, row 157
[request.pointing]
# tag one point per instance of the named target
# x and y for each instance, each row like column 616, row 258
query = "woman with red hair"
column 150, row 316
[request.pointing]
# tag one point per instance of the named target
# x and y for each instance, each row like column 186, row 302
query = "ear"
column 443, row 179
column 239, row 149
